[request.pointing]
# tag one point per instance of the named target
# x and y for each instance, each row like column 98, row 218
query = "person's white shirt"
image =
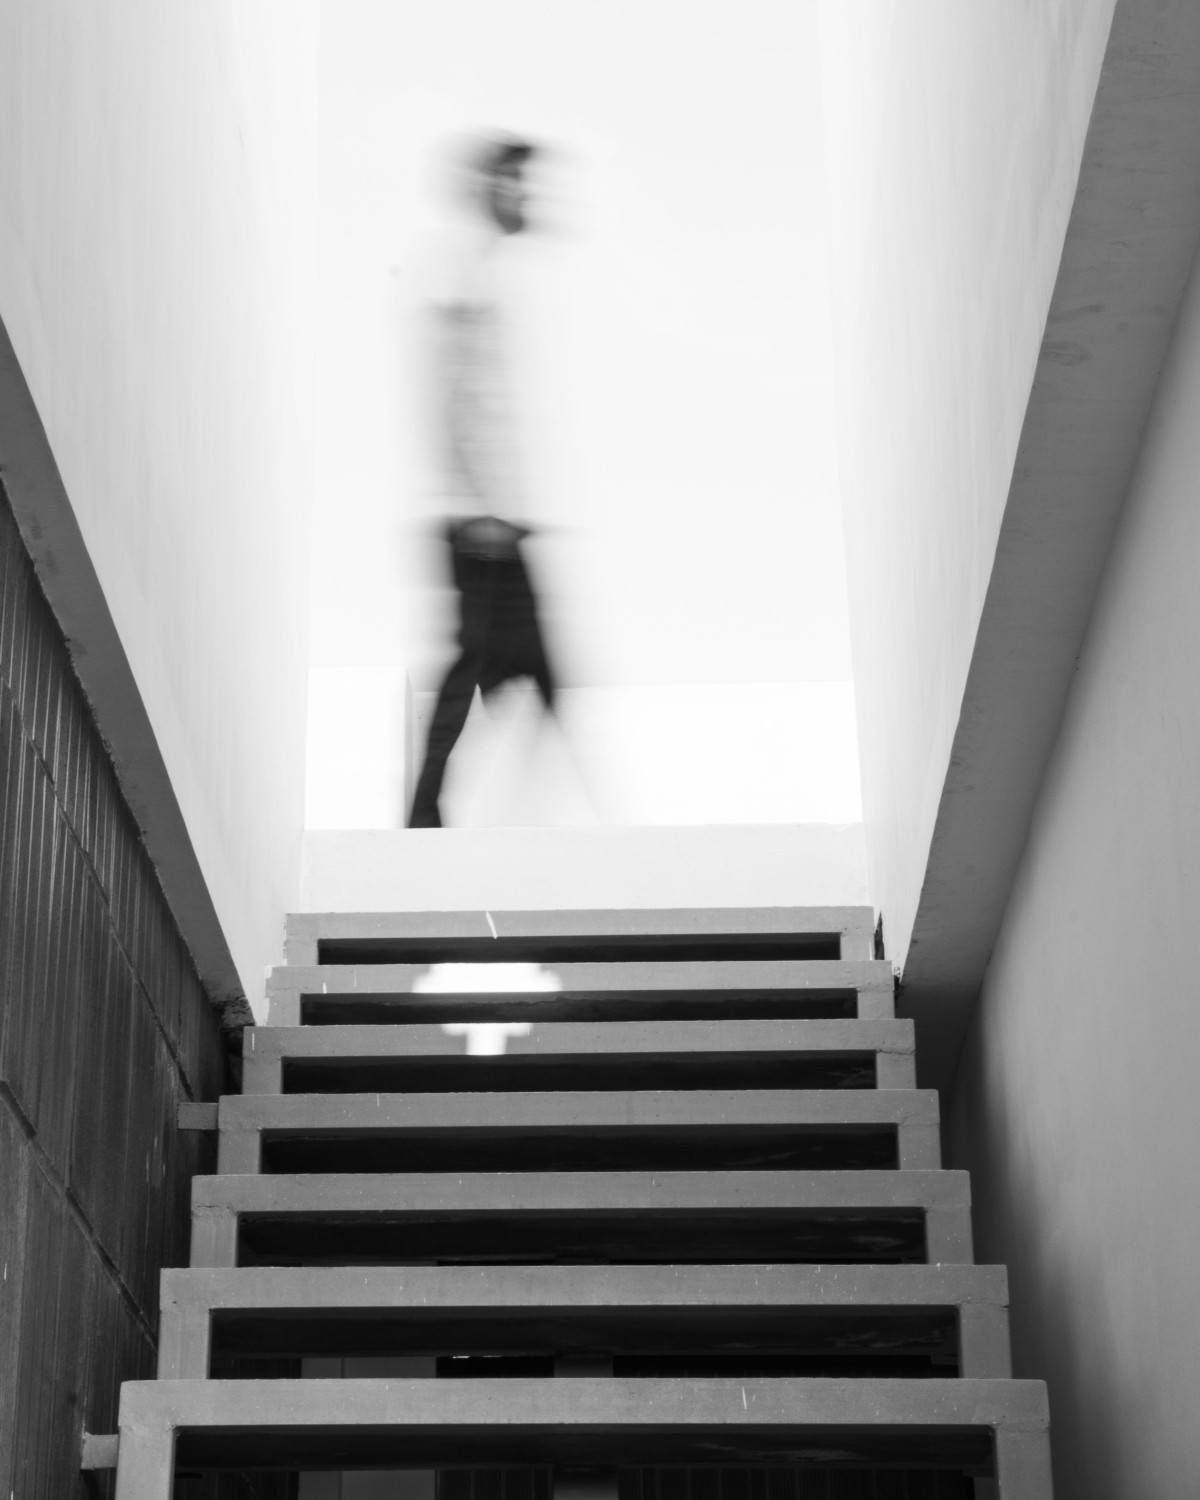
column 474, row 408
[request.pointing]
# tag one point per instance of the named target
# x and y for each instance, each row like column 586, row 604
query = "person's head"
column 498, row 177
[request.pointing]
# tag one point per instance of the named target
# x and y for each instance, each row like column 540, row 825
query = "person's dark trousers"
column 500, row 639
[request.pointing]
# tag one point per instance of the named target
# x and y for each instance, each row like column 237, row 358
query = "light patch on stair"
column 487, row 1038
column 486, row 979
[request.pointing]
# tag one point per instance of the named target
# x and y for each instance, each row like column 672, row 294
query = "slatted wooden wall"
column 104, row 1030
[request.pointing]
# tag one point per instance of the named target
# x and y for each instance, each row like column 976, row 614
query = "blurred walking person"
column 500, row 633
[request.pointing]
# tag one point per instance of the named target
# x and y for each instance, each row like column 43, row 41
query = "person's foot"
column 425, row 817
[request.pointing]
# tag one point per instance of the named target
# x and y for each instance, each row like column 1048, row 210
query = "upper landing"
column 584, row 868
column 448, row 888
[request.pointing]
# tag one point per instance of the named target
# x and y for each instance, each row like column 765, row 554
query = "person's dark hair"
column 504, row 154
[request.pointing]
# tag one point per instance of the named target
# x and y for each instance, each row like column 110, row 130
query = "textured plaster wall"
column 1076, row 1105
column 954, row 135
column 157, row 168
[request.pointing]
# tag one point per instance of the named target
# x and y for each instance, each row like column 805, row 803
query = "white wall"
column 157, row 177
column 954, row 135
column 550, row 869
column 1076, row 1105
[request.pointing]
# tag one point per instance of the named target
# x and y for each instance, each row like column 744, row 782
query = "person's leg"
column 542, row 675
column 449, row 716
column 517, row 643
column 474, row 582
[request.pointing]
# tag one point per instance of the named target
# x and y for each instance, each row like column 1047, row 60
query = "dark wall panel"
column 104, row 1031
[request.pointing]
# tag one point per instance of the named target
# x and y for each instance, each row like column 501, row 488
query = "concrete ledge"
column 454, row 1288
column 266, row 1048
column 316, row 1113
column 245, row 1120
column 607, row 978
column 871, row 981
column 988, row 1426
column 99, row 1451
column 853, row 925
column 941, row 1197
column 667, row 1294
column 197, row 1116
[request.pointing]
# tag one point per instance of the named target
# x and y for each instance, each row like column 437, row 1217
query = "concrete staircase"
column 666, row 1222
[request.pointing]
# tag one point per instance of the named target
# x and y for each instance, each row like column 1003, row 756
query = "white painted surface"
column 1076, row 1106
column 1131, row 241
column 745, row 752
column 954, row 135
column 546, row 869
column 157, row 169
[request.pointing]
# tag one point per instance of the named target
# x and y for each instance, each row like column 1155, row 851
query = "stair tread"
column 583, row 1191
column 675, row 1286
column 582, row 1107
column 800, row 1034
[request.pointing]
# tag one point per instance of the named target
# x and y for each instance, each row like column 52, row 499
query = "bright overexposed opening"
column 677, row 324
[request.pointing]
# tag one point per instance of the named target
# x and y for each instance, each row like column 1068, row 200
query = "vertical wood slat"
column 104, row 1029
column 14, row 1188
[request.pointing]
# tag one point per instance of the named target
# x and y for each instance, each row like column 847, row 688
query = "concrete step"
column 988, row 1427
column 582, row 1054
column 680, row 1159
column 782, row 989
column 459, row 936
column 277, row 1311
column 730, row 1129
column 859, row 1216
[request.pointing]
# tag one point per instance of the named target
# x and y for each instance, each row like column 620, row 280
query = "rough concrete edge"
column 72, row 589
column 1053, row 546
